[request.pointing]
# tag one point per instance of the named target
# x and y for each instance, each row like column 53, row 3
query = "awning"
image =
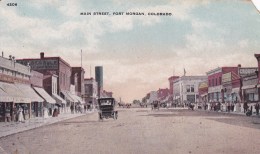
column 68, row 96
column 29, row 92
column 78, row 99
column 205, row 94
column 58, row 99
column 44, row 95
column 249, row 87
column 235, row 90
column 4, row 97
column 13, row 94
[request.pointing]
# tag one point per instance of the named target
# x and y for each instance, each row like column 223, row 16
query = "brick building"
column 215, row 87
column 52, row 67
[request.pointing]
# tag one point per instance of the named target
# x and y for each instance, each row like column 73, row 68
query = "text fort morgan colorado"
column 142, row 13
column 128, row 13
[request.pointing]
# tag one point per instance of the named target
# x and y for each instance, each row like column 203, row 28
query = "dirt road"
column 142, row 131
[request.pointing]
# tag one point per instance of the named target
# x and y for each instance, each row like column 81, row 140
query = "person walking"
column 257, row 108
column 20, row 114
column 245, row 107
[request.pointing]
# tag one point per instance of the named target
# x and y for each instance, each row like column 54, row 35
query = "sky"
column 138, row 53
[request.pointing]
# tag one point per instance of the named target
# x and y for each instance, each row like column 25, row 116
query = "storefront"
column 49, row 102
column 36, row 101
column 250, row 90
column 10, row 101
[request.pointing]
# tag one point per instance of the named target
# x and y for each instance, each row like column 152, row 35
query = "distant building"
column 215, row 86
column 186, row 89
column 78, row 80
column 163, row 94
column 106, row 94
column 91, row 91
column 153, row 96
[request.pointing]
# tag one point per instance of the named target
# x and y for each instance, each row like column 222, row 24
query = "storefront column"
column 30, row 110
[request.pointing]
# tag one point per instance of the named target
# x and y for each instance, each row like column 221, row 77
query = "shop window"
column 256, row 97
column 251, row 97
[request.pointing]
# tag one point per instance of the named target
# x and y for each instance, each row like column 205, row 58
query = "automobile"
column 106, row 108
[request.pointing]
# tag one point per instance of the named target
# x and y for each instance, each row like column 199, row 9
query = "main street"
column 140, row 130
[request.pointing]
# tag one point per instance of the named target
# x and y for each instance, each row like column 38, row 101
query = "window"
column 216, row 81
column 213, row 82
column 192, row 88
column 209, row 83
column 187, row 88
column 220, row 80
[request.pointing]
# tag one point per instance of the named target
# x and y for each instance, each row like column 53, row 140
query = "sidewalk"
column 9, row 128
column 225, row 112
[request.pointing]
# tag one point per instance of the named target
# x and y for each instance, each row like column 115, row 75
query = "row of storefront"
column 34, row 94
column 32, row 101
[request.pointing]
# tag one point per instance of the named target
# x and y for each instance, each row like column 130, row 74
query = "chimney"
column 42, row 55
column 239, row 65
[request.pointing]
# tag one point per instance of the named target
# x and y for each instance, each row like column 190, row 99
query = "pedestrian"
column 20, row 114
column 257, row 108
column 71, row 108
column 85, row 108
column 55, row 112
column 45, row 112
column 245, row 106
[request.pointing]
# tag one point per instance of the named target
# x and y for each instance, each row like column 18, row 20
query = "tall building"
column 99, row 78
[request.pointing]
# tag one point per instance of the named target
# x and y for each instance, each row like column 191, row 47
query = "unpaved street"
column 143, row 131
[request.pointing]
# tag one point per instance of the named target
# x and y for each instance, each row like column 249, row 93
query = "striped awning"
column 28, row 91
column 11, row 93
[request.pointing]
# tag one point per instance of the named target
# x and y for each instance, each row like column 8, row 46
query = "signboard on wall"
column 247, row 71
column 226, row 77
column 41, row 64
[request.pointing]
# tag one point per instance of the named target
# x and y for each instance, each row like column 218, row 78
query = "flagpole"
column 81, row 58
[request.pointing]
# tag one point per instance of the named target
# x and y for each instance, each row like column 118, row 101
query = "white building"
column 153, row 97
column 186, row 89
column 91, row 91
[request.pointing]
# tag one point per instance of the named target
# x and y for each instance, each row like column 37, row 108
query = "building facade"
column 215, row 90
column 78, row 73
column 15, row 90
column 50, row 66
column 186, row 89
column 91, row 91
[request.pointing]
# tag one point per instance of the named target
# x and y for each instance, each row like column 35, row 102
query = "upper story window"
column 220, row 80
column 187, row 88
column 192, row 88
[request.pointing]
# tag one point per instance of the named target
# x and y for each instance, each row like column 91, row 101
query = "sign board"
column 247, row 71
column 41, row 64
column 226, row 77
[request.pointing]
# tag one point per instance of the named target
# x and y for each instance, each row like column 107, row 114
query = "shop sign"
column 226, row 77
column 40, row 64
column 215, row 89
column 247, row 71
